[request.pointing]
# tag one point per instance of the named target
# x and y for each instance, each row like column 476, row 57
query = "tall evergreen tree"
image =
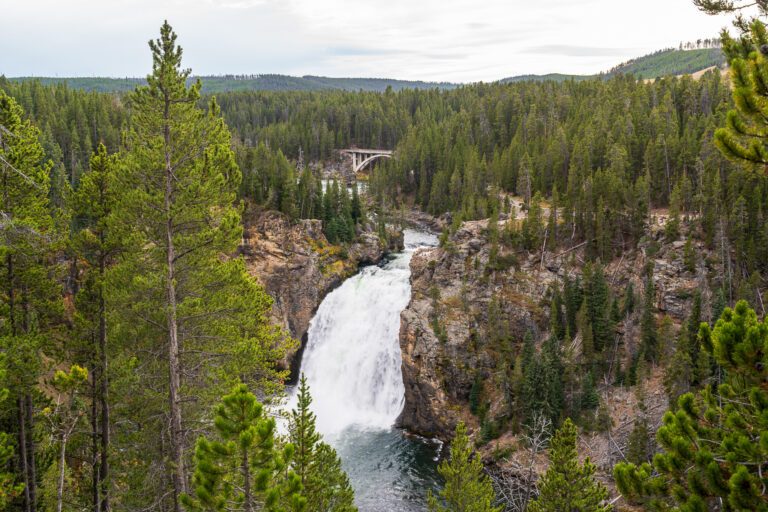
column 96, row 245
column 569, row 486
column 573, row 300
column 66, row 415
column 467, row 488
column 324, row 483
column 557, row 319
column 597, row 295
column 177, row 194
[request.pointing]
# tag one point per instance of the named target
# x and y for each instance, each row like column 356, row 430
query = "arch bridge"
column 362, row 157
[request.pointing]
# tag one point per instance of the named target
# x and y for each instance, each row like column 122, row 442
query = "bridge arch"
column 362, row 157
column 368, row 160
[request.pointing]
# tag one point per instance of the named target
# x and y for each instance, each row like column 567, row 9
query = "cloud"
column 452, row 40
column 361, row 51
column 238, row 4
column 577, row 51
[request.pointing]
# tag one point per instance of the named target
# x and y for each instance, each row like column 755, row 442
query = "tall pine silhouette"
column 324, row 482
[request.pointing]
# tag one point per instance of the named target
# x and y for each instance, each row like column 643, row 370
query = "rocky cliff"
column 446, row 331
column 442, row 328
column 298, row 267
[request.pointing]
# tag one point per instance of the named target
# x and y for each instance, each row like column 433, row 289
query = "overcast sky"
column 450, row 40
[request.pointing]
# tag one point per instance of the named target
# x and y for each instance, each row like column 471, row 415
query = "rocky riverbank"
column 298, row 267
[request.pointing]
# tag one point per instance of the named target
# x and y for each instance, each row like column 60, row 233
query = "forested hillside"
column 230, row 83
column 672, row 62
column 458, row 151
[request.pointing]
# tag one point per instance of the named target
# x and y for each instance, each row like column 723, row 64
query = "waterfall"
column 352, row 359
column 352, row 364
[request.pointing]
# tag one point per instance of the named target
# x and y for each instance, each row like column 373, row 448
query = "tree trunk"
column 23, row 452
column 62, row 467
column 11, row 296
column 666, row 163
column 104, row 466
column 177, row 441
column 31, row 455
column 246, row 482
column 95, row 442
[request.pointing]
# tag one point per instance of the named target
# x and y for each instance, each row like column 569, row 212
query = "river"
column 353, row 367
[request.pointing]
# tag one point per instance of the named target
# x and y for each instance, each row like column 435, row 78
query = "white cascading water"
column 353, row 367
column 352, row 360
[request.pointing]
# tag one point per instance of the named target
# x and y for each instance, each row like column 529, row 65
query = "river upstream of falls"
column 353, row 367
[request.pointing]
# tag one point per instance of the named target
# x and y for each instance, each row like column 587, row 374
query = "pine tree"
column 569, row 486
column 689, row 254
column 96, row 245
column 467, row 488
column 678, row 376
column 741, row 141
column 714, row 446
column 629, row 300
column 590, row 399
column 692, row 325
column 728, row 6
column 324, row 483
column 533, row 224
column 554, row 369
column 573, row 300
column 672, row 227
column 718, row 305
column 244, row 468
column 597, row 296
column 534, row 391
column 177, row 199
column 640, row 438
column 552, row 223
column 587, row 335
column 557, row 319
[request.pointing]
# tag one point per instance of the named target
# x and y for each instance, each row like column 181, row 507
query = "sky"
column 434, row 40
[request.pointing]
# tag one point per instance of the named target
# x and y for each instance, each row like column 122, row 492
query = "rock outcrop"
column 442, row 328
column 298, row 267
column 445, row 330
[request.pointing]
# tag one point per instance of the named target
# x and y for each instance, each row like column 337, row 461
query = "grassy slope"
column 654, row 65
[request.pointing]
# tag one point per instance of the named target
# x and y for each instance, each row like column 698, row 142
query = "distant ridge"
column 229, row 83
column 556, row 77
column 654, row 65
